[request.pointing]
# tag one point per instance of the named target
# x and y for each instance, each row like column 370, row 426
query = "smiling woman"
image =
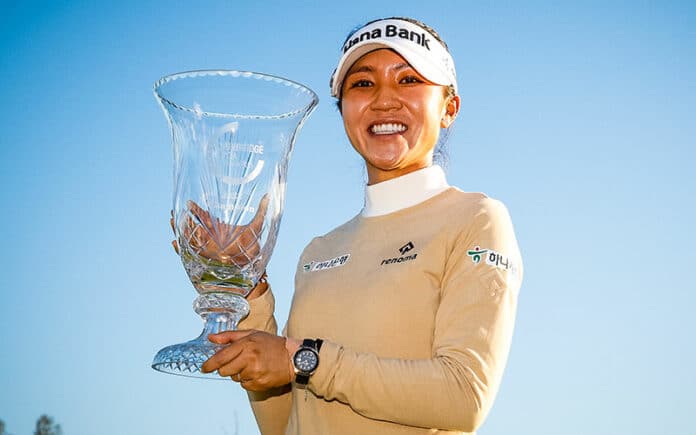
column 393, row 115
column 402, row 317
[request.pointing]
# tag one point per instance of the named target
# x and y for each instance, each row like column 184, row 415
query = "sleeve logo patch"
column 314, row 266
column 492, row 258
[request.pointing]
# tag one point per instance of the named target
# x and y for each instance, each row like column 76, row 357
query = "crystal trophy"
column 233, row 133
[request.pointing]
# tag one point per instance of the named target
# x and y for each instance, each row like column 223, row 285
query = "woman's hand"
column 216, row 240
column 257, row 360
column 244, row 247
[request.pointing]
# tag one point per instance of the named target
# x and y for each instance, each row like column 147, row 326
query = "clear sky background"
column 579, row 117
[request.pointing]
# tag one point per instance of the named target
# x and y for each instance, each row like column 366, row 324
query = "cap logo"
column 390, row 31
column 421, row 49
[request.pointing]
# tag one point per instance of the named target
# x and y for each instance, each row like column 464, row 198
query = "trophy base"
column 220, row 312
column 186, row 359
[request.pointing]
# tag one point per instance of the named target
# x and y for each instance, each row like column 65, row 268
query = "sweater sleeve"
column 261, row 315
column 453, row 390
column 271, row 408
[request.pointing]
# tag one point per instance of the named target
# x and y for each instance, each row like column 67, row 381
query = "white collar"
column 405, row 191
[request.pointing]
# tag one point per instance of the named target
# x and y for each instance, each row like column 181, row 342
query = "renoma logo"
column 403, row 251
column 407, row 247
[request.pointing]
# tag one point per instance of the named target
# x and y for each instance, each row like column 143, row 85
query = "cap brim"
column 422, row 65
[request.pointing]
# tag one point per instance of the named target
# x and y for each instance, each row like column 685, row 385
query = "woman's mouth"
column 388, row 128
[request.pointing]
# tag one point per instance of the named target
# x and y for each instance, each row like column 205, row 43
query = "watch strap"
column 301, row 379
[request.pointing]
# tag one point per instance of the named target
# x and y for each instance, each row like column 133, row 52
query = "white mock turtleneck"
column 405, row 191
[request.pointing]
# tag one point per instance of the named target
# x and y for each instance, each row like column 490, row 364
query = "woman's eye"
column 361, row 84
column 411, row 79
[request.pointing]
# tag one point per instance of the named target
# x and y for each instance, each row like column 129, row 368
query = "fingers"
column 199, row 231
column 195, row 231
column 230, row 336
column 243, row 250
column 256, row 359
column 202, row 215
column 237, row 244
column 257, row 221
column 200, row 223
column 227, row 354
column 247, row 246
column 222, row 358
column 175, row 244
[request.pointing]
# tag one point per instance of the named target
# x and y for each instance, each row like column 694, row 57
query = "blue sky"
column 579, row 117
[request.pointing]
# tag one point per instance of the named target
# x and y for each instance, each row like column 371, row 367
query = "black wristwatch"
column 306, row 360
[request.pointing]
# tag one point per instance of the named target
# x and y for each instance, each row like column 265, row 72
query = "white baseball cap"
column 417, row 45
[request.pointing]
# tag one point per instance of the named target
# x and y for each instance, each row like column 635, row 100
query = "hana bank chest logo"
column 315, row 266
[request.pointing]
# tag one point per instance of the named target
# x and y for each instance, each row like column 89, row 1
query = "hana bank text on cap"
column 415, row 44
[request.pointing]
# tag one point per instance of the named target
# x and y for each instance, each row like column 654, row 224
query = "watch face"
column 306, row 360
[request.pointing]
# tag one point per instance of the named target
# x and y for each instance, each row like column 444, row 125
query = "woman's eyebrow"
column 368, row 68
column 364, row 68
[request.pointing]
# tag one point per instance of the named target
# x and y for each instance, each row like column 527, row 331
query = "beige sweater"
column 416, row 309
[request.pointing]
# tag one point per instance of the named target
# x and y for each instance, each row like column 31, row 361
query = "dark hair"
column 440, row 155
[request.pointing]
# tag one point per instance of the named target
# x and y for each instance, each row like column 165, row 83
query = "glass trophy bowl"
column 233, row 133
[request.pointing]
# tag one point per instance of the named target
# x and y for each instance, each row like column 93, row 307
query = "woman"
column 402, row 317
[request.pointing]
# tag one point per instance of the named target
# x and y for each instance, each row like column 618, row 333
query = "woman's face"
column 392, row 115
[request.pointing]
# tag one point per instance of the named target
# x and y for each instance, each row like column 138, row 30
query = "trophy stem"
column 220, row 312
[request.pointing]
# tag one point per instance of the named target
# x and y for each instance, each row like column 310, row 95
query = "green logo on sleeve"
column 476, row 254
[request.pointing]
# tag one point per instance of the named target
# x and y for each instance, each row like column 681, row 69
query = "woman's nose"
column 386, row 98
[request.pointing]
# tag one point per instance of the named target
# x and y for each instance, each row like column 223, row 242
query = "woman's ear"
column 451, row 111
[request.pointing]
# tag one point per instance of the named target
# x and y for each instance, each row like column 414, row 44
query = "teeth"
column 387, row 128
